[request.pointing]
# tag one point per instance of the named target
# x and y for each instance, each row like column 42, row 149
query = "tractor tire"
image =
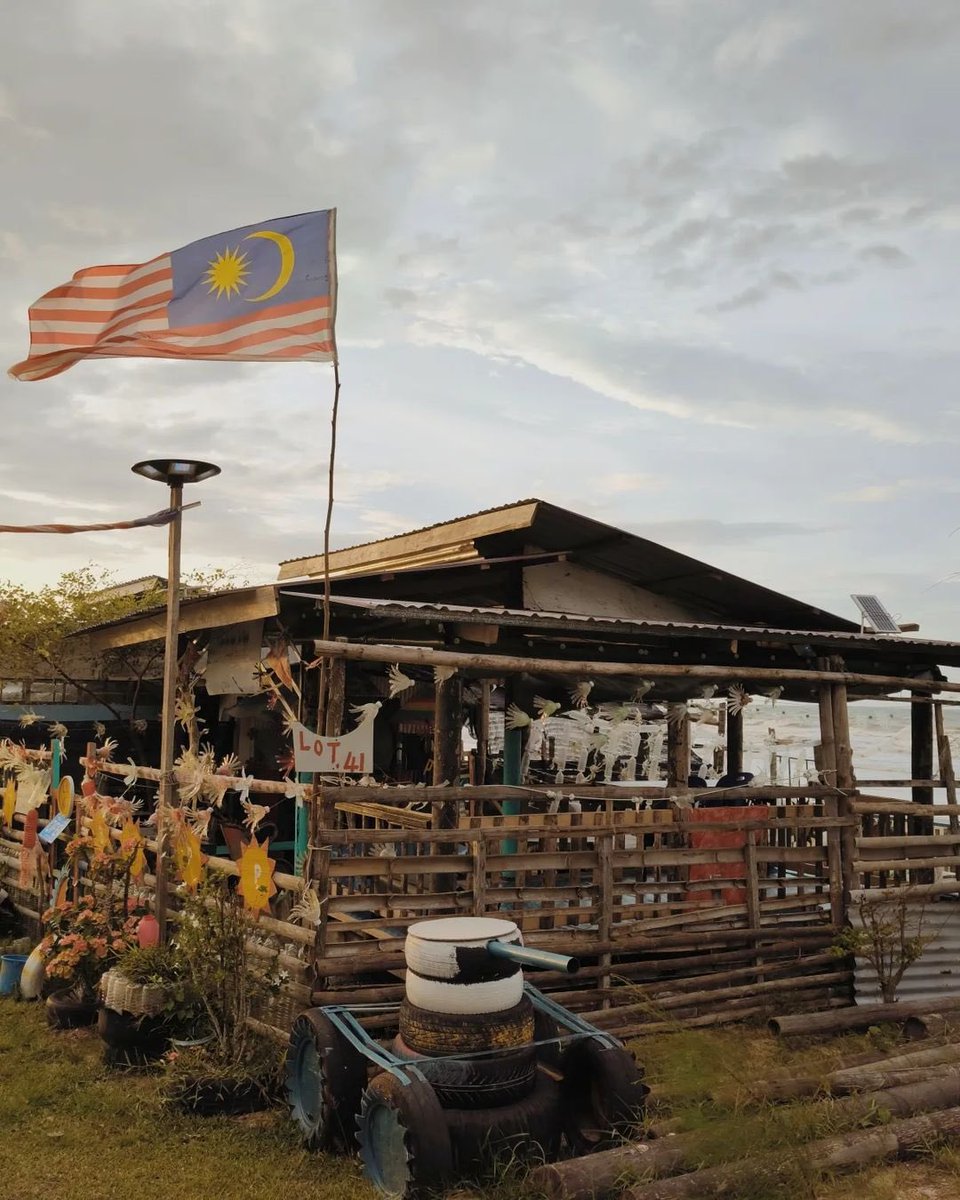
column 603, row 1094
column 324, row 1081
column 404, row 1144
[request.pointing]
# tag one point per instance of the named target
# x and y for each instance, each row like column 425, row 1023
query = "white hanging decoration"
column 398, row 682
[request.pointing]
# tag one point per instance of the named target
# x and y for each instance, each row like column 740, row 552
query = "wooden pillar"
column 921, row 767
column 734, row 740
column 846, row 781
column 336, row 697
column 825, row 756
column 483, row 730
column 678, row 746
column 447, row 729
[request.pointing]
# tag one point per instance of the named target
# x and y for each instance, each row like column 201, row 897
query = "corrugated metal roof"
column 941, row 651
column 483, row 512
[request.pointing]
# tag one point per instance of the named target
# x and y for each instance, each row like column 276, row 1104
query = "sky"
column 687, row 267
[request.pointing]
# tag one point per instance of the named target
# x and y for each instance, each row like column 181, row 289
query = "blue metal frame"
column 345, row 1019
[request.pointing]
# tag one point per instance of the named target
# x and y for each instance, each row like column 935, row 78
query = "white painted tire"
column 493, row 996
column 431, row 946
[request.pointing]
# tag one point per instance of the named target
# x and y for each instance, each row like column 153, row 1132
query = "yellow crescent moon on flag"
column 287, row 259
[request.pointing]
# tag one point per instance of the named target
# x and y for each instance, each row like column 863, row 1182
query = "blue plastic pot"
column 10, row 967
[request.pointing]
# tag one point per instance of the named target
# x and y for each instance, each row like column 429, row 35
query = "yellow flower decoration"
column 131, row 842
column 256, row 876
column 187, row 856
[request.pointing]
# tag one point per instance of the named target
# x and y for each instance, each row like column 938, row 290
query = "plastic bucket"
column 10, row 967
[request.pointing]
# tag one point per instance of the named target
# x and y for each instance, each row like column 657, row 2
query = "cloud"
column 621, row 259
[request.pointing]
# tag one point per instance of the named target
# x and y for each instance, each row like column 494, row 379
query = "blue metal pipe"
column 543, row 960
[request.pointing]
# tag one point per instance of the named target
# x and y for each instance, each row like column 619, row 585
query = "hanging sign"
column 347, row 754
column 53, row 828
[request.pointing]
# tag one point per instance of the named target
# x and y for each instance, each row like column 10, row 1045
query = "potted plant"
column 85, row 936
column 235, row 1070
column 147, row 999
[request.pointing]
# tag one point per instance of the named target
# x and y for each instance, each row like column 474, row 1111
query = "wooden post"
column 734, row 740
column 921, row 758
column 336, row 697
column 678, row 746
column 483, row 730
column 847, row 782
column 945, row 759
column 604, row 847
column 447, row 727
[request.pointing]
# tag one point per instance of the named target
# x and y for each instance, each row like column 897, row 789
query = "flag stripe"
column 78, row 308
column 119, row 283
column 154, row 322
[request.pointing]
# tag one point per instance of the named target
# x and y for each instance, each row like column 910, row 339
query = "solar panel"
column 875, row 615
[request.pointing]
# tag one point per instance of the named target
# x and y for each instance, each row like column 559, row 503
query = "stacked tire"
column 484, row 1076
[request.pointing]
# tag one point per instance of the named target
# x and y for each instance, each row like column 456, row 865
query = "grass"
column 73, row 1129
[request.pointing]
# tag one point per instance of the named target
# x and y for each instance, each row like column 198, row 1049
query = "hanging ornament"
column 256, row 876
column 187, row 856
column 100, row 831
column 28, row 849
column 131, row 845
column 9, row 803
column 64, row 796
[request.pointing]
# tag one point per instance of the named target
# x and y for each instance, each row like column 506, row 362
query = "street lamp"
column 174, row 473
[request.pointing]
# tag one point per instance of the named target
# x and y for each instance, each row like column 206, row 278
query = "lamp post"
column 174, row 473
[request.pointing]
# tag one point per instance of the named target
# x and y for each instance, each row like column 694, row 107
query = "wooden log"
column 498, row 793
column 913, row 891
column 845, row 1151
column 882, row 804
column 858, row 1017
column 932, row 1025
column 508, row 664
column 872, row 1081
column 607, row 1173
column 917, row 865
column 96, row 766
column 730, row 1013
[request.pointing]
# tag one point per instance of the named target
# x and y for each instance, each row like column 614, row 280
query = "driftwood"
column 603, row 1174
column 846, row 1151
column 860, row 1017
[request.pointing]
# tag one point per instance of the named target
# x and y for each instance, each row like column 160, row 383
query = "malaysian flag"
column 263, row 293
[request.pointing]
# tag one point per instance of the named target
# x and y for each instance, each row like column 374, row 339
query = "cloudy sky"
column 688, row 267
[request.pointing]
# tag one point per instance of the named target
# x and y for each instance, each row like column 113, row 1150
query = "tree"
column 37, row 626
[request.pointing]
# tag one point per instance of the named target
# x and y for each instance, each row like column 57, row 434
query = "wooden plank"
column 945, row 764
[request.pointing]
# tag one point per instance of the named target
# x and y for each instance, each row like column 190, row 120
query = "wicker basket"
column 118, row 993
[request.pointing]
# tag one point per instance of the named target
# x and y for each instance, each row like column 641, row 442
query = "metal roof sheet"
column 941, row 651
